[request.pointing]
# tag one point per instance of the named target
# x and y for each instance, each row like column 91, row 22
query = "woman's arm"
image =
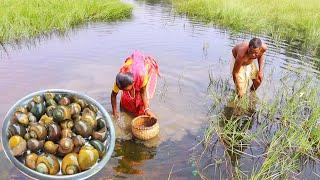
column 115, row 112
column 145, row 100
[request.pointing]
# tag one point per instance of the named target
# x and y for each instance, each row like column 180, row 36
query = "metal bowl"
column 34, row 174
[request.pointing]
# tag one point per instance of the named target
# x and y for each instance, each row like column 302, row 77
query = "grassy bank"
column 281, row 135
column 20, row 19
column 286, row 19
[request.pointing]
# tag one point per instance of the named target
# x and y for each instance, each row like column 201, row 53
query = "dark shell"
column 61, row 113
column 57, row 97
column 38, row 109
column 101, row 123
column 54, row 132
column 27, row 136
column 100, row 135
column 92, row 108
column 16, row 129
column 98, row 145
column 30, row 105
column 83, row 128
column 51, row 102
column 34, row 145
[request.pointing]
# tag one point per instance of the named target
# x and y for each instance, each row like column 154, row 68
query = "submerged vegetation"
column 20, row 19
column 292, row 20
column 273, row 138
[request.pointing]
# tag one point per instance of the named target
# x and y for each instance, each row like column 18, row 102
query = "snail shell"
column 83, row 128
column 37, row 131
column 48, row 96
column 51, row 147
column 16, row 129
column 67, row 124
column 22, row 109
column 70, row 164
column 47, row 164
column 61, row 113
column 65, row 146
column 88, row 156
column 100, row 135
column 34, row 145
column 17, row 145
column 31, row 160
column 32, row 118
column 45, row 120
column 51, row 102
column 64, row 101
column 54, row 132
column 22, row 118
column 75, row 108
column 67, row 133
column 99, row 146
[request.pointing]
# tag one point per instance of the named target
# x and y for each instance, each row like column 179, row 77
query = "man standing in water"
column 244, row 67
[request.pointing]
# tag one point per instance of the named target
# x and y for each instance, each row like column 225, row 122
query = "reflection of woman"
column 137, row 79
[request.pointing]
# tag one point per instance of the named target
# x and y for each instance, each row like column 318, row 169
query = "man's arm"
column 235, row 71
column 261, row 61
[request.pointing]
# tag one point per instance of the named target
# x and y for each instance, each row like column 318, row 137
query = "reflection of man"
column 244, row 67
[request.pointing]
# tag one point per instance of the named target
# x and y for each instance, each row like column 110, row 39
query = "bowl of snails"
column 58, row 134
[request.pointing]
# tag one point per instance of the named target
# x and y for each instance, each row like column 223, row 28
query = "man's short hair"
column 255, row 43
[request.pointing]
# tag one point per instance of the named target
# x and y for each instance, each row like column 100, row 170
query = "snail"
column 54, row 132
column 81, row 102
column 16, row 129
column 100, row 135
column 65, row 146
column 101, row 123
column 78, row 142
column 17, row 145
column 61, row 113
column 37, row 106
column 34, row 145
column 22, row 109
column 32, row 118
column 83, row 128
column 76, row 117
column 51, row 102
column 64, row 101
column 99, row 146
column 67, row 133
column 92, row 108
column 47, row 164
column 31, row 160
column 67, row 124
column 45, row 120
column 48, row 96
column 51, row 147
column 88, row 156
column 75, row 108
column 57, row 97
column 22, row 118
column 70, row 164
column 49, row 110
column 37, row 131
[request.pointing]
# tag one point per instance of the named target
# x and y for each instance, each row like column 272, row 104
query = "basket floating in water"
column 144, row 127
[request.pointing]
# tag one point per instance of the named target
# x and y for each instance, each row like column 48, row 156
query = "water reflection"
column 131, row 155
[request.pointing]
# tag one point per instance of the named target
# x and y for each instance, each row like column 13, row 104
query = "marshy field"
column 205, row 130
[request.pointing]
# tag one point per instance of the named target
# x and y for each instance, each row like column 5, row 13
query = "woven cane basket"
column 144, row 127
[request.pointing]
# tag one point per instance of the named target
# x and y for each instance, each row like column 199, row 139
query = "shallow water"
column 87, row 59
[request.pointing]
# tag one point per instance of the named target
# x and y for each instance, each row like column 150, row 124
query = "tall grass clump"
column 291, row 20
column 286, row 127
column 20, row 19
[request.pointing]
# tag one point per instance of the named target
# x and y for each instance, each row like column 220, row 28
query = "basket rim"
column 143, row 128
column 36, row 175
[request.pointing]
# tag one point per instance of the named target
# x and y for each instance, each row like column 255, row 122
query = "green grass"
column 292, row 114
column 292, row 20
column 21, row 19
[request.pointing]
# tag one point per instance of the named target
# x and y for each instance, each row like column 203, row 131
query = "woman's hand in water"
column 116, row 115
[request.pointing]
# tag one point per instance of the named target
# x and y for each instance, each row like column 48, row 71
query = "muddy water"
column 87, row 59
